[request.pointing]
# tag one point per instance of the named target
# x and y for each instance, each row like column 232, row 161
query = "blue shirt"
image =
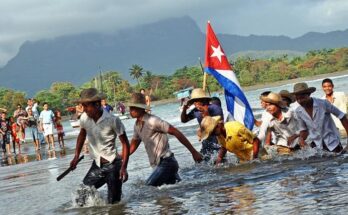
column 108, row 108
column 213, row 110
column 46, row 116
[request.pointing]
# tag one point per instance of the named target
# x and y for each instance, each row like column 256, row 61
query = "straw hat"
column 274, row 98
column 208, row 124
column 302, row 88
column 90, row 95
column 196, row 95
column 288, row 95
column 138, row 100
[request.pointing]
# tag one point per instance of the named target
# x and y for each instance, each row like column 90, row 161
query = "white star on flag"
column 217, row 52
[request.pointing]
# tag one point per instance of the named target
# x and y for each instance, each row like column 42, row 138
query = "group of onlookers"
column 39, row 126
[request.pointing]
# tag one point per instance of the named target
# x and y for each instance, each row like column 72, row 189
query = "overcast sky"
column 22, row 20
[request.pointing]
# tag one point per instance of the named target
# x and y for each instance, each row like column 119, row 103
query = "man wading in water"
column 153, row 132
column 102, row 129
column 202, row 108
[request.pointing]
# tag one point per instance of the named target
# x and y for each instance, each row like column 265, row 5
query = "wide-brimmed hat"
column 286, row 94
column 208, row 125
column 90, row 95
column 302, row 88
column 274, row 98
column 197, row 95
column 138, row 100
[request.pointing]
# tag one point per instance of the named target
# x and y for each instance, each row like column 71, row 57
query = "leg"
column 94, row 177
column 165, row 173
column 113, row 181
column 51, row 140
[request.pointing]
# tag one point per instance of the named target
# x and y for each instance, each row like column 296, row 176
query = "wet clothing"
column 102, row 135
column 46, row 116
column 59, row 126
column 285, row 128
column 239, row 140
column 108, row 173
column 166, row 172
column 210, row 145
column 153, row 132
column 322, row 129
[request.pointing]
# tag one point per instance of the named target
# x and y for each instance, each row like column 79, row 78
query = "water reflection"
column 239, row 199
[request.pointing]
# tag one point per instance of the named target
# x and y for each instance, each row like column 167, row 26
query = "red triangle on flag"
column 215, row 57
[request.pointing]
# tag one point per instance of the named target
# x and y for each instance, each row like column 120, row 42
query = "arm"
column 79, row 144
column 134, row 145
column 268, row 139
column 125, row 156
column 175, row 132
column 184, row 116
column 344, row 122
column 221, row 154
column 256, row 147
column 303, row 136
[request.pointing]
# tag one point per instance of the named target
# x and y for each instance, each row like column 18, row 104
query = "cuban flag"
column 217, row 65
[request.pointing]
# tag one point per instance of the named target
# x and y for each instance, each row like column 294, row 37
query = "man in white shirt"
column 47, row 123
column 102, row 128
column 314, row 116
column 338, row 99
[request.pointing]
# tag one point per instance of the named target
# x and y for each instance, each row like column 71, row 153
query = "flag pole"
column 205, row 76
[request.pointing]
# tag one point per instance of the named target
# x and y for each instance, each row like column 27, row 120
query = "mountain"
column 160, row 47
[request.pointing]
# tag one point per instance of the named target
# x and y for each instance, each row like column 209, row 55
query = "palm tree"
column 136, row 72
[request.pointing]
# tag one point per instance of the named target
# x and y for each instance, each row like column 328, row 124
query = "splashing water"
column 86, row 196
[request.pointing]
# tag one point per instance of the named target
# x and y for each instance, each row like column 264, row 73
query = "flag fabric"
column 217, row 65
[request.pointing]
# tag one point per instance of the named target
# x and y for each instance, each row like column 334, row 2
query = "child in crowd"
column 59, row 127
column 15, row 140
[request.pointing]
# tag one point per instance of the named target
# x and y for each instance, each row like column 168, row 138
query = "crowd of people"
column 290, row 122
column 30, row 122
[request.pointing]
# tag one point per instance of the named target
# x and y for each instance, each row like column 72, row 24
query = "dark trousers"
column 338, row 148
column 107, row 173
column 210, row 146
column 165, row 173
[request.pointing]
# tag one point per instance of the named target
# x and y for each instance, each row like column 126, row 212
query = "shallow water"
column 310, row 182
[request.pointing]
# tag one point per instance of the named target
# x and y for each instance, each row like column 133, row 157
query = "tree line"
column 249, row 72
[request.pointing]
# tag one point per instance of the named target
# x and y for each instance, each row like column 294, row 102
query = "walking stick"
column 68, row 170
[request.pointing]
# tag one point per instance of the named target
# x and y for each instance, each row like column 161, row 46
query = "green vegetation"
column 250, row 71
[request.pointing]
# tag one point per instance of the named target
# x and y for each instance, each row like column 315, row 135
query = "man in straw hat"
column 314, row 117
column 283, row 124
column 102, row 128
column 202, row 108
column 233, row 137
column 153, row 132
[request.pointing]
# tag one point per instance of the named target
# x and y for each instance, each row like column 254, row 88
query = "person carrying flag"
column 202, row 108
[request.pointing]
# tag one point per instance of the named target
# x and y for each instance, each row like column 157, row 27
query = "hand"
column 292, row 139
column 197, row 157
column 218, row 160
column 74, row 162
column 302, row 143
column 123, row 175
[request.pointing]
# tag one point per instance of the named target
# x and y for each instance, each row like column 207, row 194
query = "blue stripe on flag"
column 232, row 90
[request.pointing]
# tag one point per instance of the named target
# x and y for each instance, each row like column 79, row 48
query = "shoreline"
column 267, row 85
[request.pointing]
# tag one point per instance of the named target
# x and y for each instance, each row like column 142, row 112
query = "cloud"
column 23, row 20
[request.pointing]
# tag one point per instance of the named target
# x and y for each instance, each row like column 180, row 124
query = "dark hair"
column 215, row 100
column 265, row 93
column 45, row 103
column 327, row 80
column 19, row 105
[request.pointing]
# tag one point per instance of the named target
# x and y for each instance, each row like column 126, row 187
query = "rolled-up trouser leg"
column 165, row 173
column 107, row 173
